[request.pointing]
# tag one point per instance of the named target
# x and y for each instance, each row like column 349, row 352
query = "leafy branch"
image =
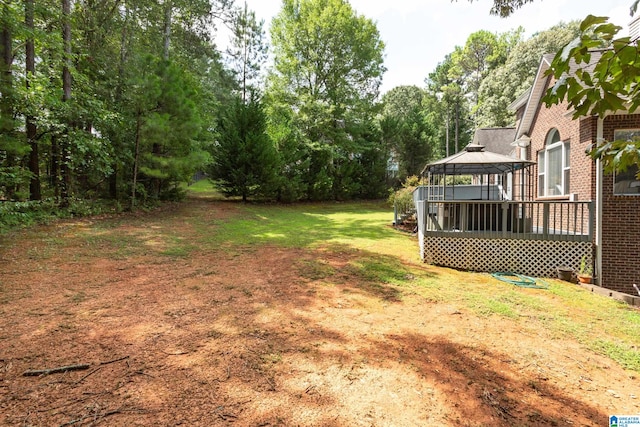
column 598, row 74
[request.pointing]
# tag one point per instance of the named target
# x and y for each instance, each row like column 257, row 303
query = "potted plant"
column 565, row 273
column 585, row 274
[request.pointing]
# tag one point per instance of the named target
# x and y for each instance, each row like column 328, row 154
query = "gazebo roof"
column 473, row 160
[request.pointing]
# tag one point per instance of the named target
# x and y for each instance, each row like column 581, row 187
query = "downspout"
column 598, row 209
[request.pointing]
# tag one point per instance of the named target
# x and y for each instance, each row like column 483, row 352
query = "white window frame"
column 543, row 166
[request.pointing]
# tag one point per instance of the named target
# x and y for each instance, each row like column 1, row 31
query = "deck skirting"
column 536, row 258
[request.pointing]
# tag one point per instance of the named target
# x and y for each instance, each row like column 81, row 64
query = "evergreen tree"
column 247, row 52
column 245, row 162
column 408, row 133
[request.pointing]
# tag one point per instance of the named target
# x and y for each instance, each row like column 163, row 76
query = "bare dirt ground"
column 250, row 338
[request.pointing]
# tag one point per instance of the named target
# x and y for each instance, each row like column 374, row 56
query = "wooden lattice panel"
column 537, row 258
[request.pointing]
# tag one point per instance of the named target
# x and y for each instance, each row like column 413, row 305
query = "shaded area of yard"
column 214, row 313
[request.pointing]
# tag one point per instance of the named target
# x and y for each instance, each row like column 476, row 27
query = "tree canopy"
column 406, row 129
column 328, row 66
column 126, row 100
column 506, row 81
column 598, row 74
column 605, row 81
column 106, row 99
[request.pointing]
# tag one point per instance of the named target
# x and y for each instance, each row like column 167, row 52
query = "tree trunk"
column 168, row 10
column 65, row 170
column 6, row 88
column 156, row 148
column 54, row 178
column 134, row 180
column 245, row 55
column 35, row 192
column 6, row 56
column 113, row 179
column 447, row 133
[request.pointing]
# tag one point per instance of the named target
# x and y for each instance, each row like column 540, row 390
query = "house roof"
column 474, row 160
column 520, row 101
column 495, row 140
column 534, row 98
column 535, row 94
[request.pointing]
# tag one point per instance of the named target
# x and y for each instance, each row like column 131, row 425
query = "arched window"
column 554, row 166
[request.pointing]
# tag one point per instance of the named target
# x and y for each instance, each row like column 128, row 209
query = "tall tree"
column 248, row 51
column 66, row 98
column 35, row 191
column 328, row 68
column 482, row 52
column 12, row 147
column 445, row 87
column 406, row 129
column 245, row 160
column 506, row 82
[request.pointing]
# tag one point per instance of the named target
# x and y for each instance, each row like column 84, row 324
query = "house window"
column 554, row 167
column 626, row 182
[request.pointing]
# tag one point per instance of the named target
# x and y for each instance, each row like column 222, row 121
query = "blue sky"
column 419, row 33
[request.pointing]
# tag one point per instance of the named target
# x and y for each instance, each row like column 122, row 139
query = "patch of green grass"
column 624, row 353
column 203, row 185
column 506, row 301
column 489, row 306
column 364, row 226
column 202, row 189
column 315, row 269
column 383, row 270
column 176, row 252
column 176, row 247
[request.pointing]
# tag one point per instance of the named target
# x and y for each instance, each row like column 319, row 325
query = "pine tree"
column 245, row 161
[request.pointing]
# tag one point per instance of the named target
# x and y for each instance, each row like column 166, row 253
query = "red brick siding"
column 621, row 214
column 578, row 133
column 621, row 224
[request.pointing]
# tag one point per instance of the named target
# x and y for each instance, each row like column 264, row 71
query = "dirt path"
column 253, row 338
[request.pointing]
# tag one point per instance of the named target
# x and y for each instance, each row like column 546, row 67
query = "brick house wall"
column 578, row 134
column 621, row 223
column 621, row 214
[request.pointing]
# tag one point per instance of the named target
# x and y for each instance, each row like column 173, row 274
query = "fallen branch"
column 141, row 372
column 94, row 416
column 38, row 372
column 90, row 373
column 114, row 360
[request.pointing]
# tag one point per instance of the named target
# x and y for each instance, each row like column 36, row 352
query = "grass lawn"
column 388, row 256
column 211, row 311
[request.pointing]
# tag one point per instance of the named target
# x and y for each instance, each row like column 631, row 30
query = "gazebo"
column 482, row 165
column 492, row 221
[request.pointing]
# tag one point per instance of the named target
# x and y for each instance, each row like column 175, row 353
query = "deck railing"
column 541, row 220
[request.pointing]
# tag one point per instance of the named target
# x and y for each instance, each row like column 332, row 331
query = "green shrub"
column 402, row 199
column 23, row 214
